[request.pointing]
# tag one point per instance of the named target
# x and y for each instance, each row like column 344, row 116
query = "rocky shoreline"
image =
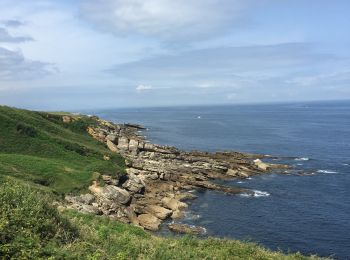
column 158, row 178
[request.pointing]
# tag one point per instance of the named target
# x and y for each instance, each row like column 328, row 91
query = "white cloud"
column 141, row 88
column 205, row 85
column 167, row 19
column 14, row 67
column 5, row 36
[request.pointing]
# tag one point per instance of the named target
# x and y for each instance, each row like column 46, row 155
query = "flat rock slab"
column 149, row 221
column 186, row 229
column 158, row 211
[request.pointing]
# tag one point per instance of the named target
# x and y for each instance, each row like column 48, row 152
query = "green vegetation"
column 42, row 157
column 32, row 229
column 40, row 148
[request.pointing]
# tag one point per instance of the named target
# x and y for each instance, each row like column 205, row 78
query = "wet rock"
column 149, row 221
column 177, row 214
column 261, row 165
column 186, row 229
column 185, row 196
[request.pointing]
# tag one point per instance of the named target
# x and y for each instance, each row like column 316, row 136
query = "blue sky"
column 134, row 53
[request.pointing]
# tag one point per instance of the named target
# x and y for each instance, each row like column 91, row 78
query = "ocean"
column 307, row 213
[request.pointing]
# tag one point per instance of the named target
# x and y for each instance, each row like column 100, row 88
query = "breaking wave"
column 326, row 171
column 302, row 159
column 255, row 194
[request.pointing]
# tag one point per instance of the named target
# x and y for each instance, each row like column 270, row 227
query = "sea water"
column 307, row 213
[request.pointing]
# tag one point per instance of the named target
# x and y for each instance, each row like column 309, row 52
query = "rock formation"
column 158, row 178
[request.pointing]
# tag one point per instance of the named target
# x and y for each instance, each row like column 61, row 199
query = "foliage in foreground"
column 32, row 229
column 29, row 227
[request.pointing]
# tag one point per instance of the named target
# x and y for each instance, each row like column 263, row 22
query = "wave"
column 240, row 182
column 326, row 171
column 302, row 159
column 188, row 215
column 255, row 194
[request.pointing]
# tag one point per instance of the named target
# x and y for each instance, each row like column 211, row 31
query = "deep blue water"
column 310, row 214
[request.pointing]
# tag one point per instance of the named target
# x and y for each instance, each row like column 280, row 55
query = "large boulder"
column 173, row 204
column 111, row 193
column 134, row 184
column 148, row 221
column 133, row 145
column 261, row 165
column 123, row 143
column 158, row 211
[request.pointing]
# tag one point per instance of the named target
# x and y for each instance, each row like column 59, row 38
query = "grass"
column 30, row 228
column 40, row 148
column 42, row 157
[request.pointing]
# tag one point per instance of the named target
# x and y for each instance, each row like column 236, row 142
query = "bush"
column 26, row 130
column 29, row 227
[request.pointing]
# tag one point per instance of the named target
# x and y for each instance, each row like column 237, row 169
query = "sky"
column 70, row 55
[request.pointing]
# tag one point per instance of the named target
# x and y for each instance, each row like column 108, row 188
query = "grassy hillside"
column 42, row 157
column 40, row 148
column 32, row 229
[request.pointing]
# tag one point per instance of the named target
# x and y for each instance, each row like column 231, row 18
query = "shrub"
column 29, row 227
column 26, row 130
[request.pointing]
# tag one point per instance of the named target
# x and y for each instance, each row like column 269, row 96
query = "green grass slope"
column 40, row 148
column 32, row 229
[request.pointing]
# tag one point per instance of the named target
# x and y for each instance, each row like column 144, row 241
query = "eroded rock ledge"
column 159, row 178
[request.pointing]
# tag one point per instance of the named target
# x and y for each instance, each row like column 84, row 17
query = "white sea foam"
column 249, row 178
column 302, row 159
column 326, row 171
column 299, row 164
column 191, row 216
column 346, row 164
column 255, row 194
column 240, row 182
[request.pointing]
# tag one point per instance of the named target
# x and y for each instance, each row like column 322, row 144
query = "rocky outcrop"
column 149, row 221
column 186, row 229
column 110, row 193
column 158, row 211
column 159, row 177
